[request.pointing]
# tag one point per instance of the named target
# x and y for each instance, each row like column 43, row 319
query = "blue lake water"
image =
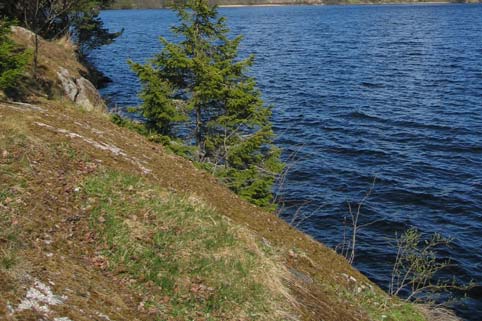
column 392, row 92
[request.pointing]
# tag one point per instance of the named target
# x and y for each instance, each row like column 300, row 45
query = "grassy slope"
column 124, row 229
column 97, row 223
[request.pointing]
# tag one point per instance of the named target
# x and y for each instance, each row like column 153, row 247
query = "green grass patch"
column 9, row 240
column 7, row 259
column 4, row 194
column 192, row 263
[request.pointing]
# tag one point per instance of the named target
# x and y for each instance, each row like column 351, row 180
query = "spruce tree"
column 12, row 58
column 202, row 77
column 88, row 31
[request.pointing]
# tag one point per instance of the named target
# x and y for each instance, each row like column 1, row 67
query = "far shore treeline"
column 152, row 4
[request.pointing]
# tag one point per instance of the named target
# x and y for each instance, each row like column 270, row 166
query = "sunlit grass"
column 196, row 262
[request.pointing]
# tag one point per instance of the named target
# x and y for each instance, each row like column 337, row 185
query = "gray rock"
column 68, row 84
column 88, row 96
column 80, row 91
column 304, row 278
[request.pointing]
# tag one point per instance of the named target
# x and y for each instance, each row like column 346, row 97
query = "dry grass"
column 436, row 313
column 40, row 230
column 53, row 55
column 193, row 262
column 55, row 231
column 61, row 147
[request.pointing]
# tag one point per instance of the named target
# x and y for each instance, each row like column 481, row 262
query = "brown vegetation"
column 56, row 263
column 40, row 175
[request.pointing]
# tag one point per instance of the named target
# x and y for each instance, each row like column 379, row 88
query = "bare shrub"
column 417, row 264
column 347, row 247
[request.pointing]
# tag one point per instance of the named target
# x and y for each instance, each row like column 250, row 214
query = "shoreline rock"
column 81, row 91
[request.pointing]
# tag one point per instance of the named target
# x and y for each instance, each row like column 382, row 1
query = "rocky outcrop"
column 60, row 71
column 24, row 33
column 80, row 91
column 68, row 84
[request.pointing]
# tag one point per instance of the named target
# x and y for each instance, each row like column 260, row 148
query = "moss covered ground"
column 115, row 226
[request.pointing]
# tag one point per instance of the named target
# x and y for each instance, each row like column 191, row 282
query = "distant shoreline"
column 338, row 4
column 260, row 5
column 313, row 4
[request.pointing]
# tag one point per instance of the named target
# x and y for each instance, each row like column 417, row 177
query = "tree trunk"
column 35, row 56
column 198, row 133
column 36, row 44
column 225, row 147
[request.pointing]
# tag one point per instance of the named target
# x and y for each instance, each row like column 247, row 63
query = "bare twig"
column 348, row 248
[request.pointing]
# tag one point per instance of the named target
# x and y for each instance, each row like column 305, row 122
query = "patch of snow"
column 103, row 316
column 62, row 319
column 39, row 297
column 10, row 308
column 349, row 278
column 23, row 107
column 99, row 145
column 92, row 129
column 29, row 106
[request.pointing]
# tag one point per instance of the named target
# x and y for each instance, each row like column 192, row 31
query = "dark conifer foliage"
column 199, row 85
column 89, row 33
column 12, row 59
column 53, row 19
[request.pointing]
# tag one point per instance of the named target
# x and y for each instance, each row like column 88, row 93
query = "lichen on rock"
column 80, row 91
